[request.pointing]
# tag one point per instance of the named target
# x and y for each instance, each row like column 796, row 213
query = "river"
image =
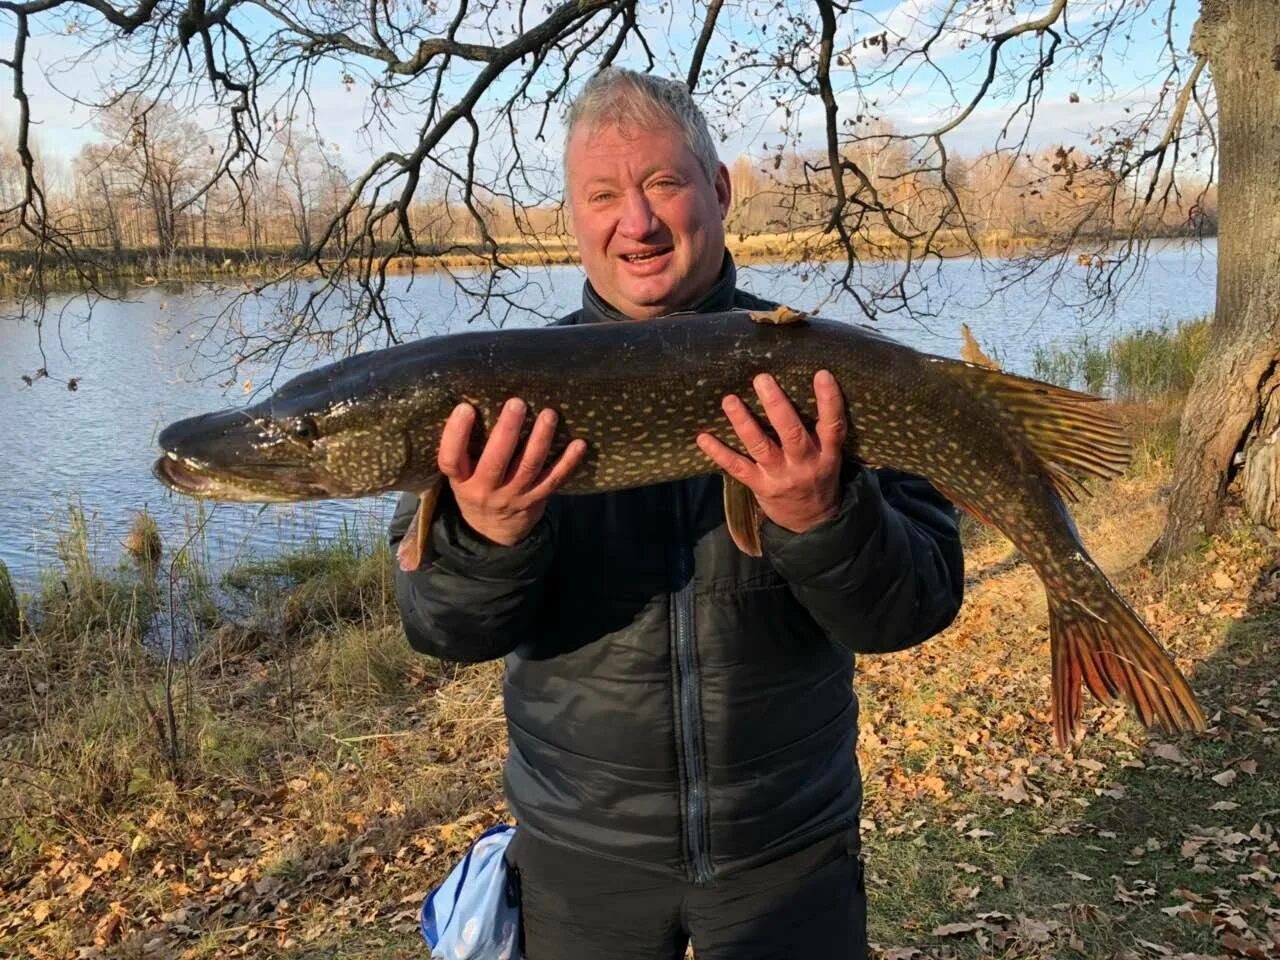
column 139, row 364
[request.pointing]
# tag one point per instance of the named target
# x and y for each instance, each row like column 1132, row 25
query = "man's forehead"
column 599, row 143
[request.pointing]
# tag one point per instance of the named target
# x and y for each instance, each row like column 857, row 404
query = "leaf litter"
column 982, row 839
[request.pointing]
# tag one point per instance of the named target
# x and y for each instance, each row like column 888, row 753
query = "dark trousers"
column 808, row 906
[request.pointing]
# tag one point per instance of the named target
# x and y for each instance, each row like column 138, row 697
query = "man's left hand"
column 796, row 478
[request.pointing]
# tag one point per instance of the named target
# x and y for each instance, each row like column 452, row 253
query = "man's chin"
column 646, row 301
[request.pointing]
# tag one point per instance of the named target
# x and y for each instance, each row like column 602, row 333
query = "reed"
column 1145, row 366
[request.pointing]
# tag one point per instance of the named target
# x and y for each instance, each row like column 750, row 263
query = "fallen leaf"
column 956, row 929
column 1224, row 779
column 1014, row 793
column 1167, row 751
column 107, row 930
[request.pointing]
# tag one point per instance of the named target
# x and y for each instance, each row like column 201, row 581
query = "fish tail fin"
column 1098, row 641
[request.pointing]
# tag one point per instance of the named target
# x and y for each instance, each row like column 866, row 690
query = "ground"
column 324, row 776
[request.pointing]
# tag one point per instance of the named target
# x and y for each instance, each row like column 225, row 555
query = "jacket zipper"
column 690, row 700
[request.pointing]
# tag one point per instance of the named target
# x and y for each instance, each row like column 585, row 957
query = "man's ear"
column 724, row 191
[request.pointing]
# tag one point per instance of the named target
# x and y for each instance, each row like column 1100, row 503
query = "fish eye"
column 306, row 430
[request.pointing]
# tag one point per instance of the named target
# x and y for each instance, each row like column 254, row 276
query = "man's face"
column 650, row 225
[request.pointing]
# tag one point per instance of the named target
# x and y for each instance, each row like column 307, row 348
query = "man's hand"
column 503, row 495
column 796, row 479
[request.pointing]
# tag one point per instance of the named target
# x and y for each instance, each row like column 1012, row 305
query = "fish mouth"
column 234, row 455
column 199, row 480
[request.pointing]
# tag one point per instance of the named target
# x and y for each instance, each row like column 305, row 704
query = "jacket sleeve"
column 472, row 599
column 884, row 574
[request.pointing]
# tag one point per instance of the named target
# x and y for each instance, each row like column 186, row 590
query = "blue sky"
column 912, row 102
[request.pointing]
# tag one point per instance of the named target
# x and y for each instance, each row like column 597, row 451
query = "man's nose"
column 638, row 219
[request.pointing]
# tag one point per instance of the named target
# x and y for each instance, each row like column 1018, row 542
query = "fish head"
column 302, row 444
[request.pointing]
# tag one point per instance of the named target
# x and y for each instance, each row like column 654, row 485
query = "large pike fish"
column 1005, row 448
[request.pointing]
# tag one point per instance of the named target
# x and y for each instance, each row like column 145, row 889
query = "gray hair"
column 620, row 96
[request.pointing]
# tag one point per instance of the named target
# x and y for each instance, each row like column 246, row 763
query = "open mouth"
column 178, row 476
column 645, row 257
column 186, row 477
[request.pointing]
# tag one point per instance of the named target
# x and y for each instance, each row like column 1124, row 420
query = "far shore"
column 148, row 266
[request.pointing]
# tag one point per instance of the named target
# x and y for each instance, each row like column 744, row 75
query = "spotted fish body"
column 1006, row 448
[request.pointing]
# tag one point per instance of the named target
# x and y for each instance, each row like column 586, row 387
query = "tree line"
column 145, row 186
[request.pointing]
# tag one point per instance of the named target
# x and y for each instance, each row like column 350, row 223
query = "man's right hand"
column 503, row 494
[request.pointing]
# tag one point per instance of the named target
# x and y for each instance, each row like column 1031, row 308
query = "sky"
column 913, row 100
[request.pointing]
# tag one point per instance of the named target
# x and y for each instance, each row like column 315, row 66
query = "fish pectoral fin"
column 414, row 545
column 963, row 504
column 743, row 517
column 778, row 316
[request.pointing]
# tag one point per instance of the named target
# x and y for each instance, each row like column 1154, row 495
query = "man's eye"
column 601, row 197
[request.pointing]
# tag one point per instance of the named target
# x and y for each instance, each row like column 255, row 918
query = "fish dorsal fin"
column 413, row 546
column 743, row 517
column 781, row 316
column 1071, row 433
column 971, row 350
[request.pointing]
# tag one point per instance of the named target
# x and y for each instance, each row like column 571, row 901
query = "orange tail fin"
column 1098, row 641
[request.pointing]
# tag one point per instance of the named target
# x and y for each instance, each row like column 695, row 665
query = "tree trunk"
column 1225, row 405
column 1261, row 478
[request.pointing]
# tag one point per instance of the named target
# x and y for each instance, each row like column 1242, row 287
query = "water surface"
column 146, row 361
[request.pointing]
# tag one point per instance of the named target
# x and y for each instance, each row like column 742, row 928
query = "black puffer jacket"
column 670, row 701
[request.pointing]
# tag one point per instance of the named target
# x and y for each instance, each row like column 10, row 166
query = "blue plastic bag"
column 474, row 914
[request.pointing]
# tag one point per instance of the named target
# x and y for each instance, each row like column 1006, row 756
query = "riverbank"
column 107, row 267
column 295, row 786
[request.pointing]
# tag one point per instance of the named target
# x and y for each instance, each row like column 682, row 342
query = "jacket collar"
column 720, row 297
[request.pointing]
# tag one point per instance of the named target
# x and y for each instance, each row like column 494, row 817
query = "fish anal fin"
column 743, row 517
column 413, row 546
column 778, row 316
column 1099, row 642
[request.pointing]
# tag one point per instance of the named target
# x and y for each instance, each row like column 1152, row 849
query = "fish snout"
column 233, row 455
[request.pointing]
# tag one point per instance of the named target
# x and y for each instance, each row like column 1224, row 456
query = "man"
column 681, row 716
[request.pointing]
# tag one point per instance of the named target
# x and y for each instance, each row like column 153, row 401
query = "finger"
column 832, row 427
column 786, row 423
column 536, row 448
column 758, row 444
column 563, row 468
column 726, row 458
column 454, row 458
column 491, row 469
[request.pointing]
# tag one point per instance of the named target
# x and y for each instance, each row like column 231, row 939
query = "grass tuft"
column 1145, row 366
column 10, row 609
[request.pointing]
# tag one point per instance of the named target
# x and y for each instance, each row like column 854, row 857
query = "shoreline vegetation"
column 262, row 767
column 148, row 265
